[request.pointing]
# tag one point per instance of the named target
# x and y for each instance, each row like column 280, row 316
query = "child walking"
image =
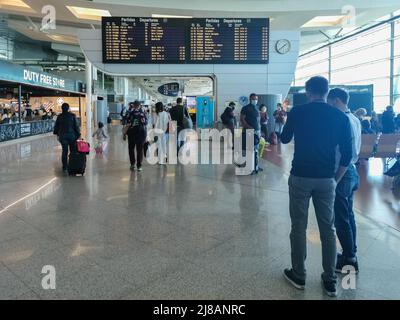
column 101, row 138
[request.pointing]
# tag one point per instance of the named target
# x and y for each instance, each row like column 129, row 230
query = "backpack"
column 225, row 117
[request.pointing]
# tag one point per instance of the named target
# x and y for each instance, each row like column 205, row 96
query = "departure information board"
column 173, row 40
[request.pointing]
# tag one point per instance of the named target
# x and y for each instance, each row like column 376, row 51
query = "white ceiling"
column 284, row 14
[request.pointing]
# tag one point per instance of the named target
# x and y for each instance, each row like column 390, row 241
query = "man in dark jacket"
column 388, row 124
column 178, row 112
column 229, row 120
column 67, row 130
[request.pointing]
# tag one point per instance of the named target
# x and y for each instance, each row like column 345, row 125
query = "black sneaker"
column 329, row 288
column 293, row 280
column 342, row 262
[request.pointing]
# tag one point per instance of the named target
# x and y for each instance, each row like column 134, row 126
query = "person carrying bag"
column 136, row 133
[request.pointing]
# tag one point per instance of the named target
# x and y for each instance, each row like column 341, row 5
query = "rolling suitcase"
column 76, row 163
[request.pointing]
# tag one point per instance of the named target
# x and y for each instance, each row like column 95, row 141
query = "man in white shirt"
column 344, row 215
column 162, row 119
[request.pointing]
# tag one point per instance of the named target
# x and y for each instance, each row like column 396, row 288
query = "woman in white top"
column 161, row 122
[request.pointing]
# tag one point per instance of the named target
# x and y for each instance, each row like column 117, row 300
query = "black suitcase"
column 77, row 163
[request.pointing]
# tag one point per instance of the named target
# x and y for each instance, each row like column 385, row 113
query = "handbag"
column 146, row 148
column 187, row 122
column 125, row 129
column 82, row 146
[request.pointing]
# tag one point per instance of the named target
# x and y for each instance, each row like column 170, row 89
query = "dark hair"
column 232, row 104
column 340, row 94
column 179, row 100
column 136, row 103
column 366, row 125
column 252, row 95
column 159, row 107
column 317, row 85
column 65, row 107
column 101, row 125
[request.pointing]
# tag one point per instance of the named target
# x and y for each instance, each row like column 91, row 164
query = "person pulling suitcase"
column 68, row 132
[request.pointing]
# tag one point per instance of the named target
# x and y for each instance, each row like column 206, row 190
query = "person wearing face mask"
column 250, row 119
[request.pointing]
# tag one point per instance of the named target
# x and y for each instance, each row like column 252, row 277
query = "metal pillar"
column 392, row 53
column 19, row 102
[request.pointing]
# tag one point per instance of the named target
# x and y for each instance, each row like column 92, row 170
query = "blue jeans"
column 344, row 216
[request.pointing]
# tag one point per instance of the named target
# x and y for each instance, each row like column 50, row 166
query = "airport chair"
column 387, row 147
column 368, row 146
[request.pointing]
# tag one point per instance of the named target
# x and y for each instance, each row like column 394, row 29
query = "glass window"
column 366, row 55
column 363, row 59
column 380, row 103
column 396, row 70
column 396, row 105
column 301, row 81
column 396, row 85
column 362, row 40
column 312, row 70
column 397, row 27
column 380, row 69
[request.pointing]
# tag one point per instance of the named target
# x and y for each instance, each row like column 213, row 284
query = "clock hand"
column 285, row 45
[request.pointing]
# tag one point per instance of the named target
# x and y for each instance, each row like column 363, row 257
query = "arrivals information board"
column 173, row 40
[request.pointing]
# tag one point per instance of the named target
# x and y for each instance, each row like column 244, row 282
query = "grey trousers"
column 322, row 192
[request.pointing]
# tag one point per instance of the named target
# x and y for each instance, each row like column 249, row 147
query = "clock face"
column 283, row 46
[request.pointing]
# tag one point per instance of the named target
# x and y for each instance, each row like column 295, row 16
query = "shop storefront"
column 30, row 100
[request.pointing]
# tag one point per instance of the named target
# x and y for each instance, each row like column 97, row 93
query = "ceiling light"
column 16, row 4
column 324, row 21
column 88, row 13
column 157, row 15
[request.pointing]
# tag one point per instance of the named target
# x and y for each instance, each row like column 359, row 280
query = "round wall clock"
column 283, row 46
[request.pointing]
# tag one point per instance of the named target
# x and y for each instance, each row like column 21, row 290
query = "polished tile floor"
column 173, row 232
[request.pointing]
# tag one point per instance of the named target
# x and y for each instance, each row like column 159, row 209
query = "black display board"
column 173, row 40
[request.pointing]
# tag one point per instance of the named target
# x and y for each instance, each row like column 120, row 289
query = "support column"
column 330, row 63
column 19, row 102
column 392, row 54
column 89, row 99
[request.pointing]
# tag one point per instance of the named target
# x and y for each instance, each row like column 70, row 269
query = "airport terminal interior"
column 189, row 222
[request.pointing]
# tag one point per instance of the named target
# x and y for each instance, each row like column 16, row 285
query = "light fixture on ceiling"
column 324, row 21
column 15, row 4
column 159, row 15
column 88, row 13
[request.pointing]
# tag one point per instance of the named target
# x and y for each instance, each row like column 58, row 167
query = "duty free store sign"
column 42, row 79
